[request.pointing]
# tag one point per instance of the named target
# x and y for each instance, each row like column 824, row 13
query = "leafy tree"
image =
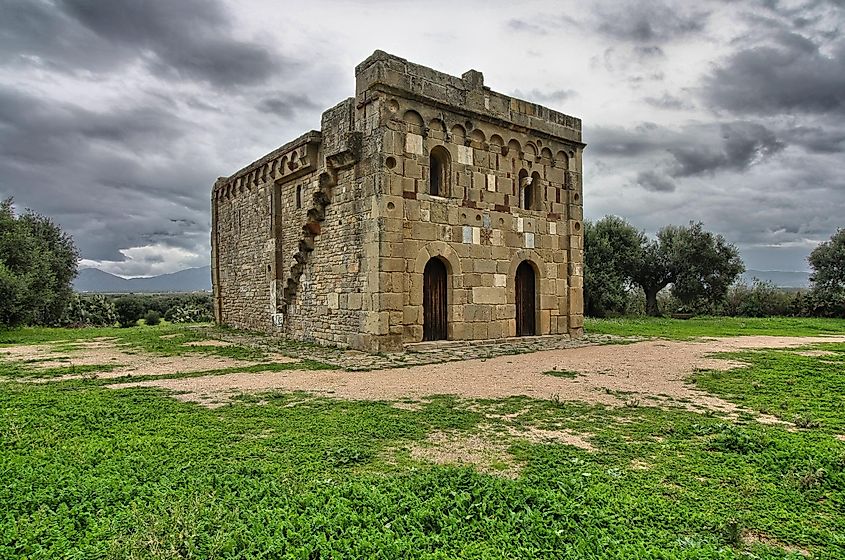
column 705, row 266
column 828, row 263
column 611, row 249
column 129, row 309
column 700, row 266
column 827, row 297
column 38, row 261
column 653, row 270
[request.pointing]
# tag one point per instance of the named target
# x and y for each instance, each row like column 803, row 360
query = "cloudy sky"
column 117, row 116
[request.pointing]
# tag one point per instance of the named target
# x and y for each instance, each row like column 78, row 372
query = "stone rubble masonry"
column 326, row 239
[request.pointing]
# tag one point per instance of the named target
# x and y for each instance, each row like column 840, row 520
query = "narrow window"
column 528, row 194
column 438, row 171
column 299, row 196
column 525, row 191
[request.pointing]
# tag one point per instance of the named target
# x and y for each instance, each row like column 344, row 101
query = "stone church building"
column 427, row 207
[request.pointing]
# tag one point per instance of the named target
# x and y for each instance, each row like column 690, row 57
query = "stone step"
column 437, row 345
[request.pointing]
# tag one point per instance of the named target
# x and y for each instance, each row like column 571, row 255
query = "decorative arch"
column 412, row 117
column 438, row 249
column 514, row 148
column 562, row 160
column 458, row 134
column 546, row 154
column 496, row 143
column 530, row 150
column 478, row 138
column 437, row 127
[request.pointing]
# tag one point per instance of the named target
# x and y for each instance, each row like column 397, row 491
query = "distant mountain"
column 188, row 280
column 780, row 278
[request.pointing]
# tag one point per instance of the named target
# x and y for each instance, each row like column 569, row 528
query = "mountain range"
column 188, row 280
column 199, row 279
column 780, row 278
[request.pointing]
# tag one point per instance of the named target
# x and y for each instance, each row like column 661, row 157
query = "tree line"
column 698, row 271
column 38, row 262
column 697, row 268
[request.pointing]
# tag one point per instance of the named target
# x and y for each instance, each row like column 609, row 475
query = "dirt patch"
column 755, row 537
column 204, row 343
column 483, row 452
column 540, row 435
column 487, row 450
column 104, row 352
column 639, row 465
column 840, row 437
column 816, row 353
column 648, row 373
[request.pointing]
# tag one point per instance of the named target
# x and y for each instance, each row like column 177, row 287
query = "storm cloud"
column 116, row 117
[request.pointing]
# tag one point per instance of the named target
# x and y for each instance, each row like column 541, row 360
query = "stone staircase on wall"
column 310, row 230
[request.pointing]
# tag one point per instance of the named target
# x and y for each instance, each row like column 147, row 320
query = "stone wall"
column 481, row 226
column 326, row 238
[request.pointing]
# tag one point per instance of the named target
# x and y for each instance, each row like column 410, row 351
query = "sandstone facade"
column 427, row 206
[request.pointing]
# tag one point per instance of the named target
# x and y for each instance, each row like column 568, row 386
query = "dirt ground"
column 125, row 361
column 649, row 372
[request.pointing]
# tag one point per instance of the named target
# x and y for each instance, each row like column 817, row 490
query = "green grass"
column 809, row 391
column 90, row 472
column 698, row 327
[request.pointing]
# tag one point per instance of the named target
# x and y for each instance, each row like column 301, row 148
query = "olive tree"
column 38, row 262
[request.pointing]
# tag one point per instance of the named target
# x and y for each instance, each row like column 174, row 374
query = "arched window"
column 298, row 196
column 526, row 190
column 438, row 171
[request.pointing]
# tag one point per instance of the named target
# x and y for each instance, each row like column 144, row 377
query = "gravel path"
column 651, row 372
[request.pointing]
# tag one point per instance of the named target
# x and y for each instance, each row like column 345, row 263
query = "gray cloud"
column 286, row 105
column 648, row 22
column 790, row 75
column 545, row 97
column 695, row 150
column 655, row 182
column 190, row 39
column 669, row 101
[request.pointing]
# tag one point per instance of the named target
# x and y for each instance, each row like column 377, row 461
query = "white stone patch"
column 467, row 234
column 464, row 154
column 500, row 280
column 553, row 228
column 425, row 214
column 332, row 300
column 529, row 240
column 413, row 144
column 476, row 236
column 520, row 225
column 497, row 237
column 278, row 319
column 491, row 182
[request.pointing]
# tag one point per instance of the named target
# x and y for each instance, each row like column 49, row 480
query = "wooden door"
column 434, row 301
column 525, row 316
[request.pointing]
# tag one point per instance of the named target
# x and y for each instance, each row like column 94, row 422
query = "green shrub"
column 761, row 299
column 89, row 311
column 152, row 318
column 189, row 314
column 129, row 309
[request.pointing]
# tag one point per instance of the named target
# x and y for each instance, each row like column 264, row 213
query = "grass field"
column 91, row 472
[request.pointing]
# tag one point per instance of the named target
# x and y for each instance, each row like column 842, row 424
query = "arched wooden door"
column 435, row 307
column 525, row 292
